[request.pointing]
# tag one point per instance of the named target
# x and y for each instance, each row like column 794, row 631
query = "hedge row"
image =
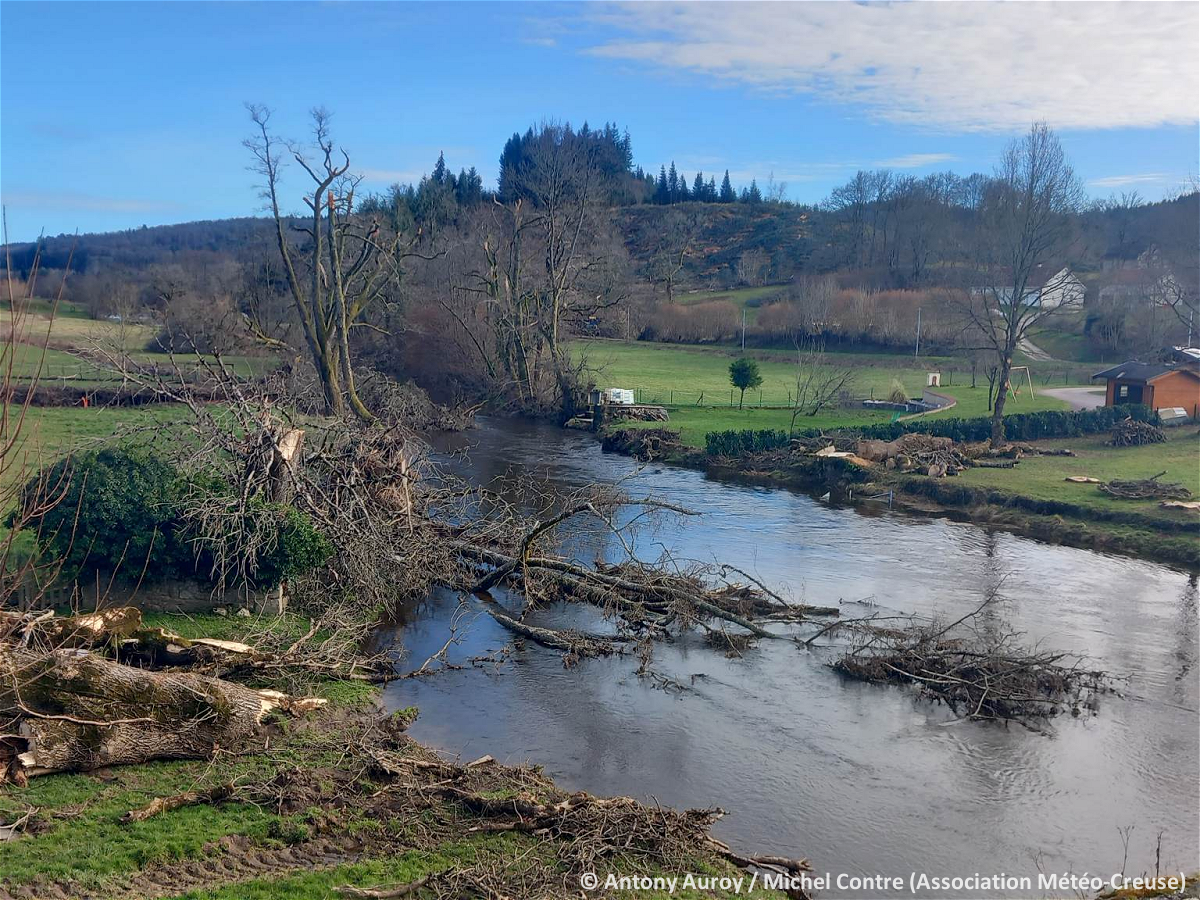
column 743, row 443
column 1020, row 427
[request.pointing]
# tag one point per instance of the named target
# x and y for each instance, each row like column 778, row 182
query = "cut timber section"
column 76, row 711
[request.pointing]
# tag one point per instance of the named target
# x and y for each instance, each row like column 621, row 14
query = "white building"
column 1061, row 289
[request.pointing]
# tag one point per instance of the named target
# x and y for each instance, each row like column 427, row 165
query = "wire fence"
column 731, row 397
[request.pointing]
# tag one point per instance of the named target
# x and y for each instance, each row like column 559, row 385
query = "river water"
column 858, row 778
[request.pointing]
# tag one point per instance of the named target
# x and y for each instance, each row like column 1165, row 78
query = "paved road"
column 1033, row 351
column 1078, row 397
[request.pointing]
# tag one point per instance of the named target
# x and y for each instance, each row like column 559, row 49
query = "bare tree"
column 549, row 261
column 820, row 382
column 752, row 266
column 1025, row 222
column 676, row 235
column 340, row 270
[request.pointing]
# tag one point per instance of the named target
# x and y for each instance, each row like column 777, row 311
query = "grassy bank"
column 1044, row 477
column 314, row 808
column 693, row 383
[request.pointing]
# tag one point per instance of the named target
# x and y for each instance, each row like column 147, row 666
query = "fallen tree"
column 978, row 673
column 71, row 710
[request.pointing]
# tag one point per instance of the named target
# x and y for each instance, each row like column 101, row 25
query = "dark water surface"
column 858, row 778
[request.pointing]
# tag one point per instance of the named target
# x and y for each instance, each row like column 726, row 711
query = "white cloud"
column 1121, row 180
column 915, row 160
column 957, row 66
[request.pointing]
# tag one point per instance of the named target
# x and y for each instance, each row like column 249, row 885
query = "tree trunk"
column 1001, row 398
column 69, row 710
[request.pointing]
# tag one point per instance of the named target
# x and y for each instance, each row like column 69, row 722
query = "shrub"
column 119, row 512
column 122, row 511
column 298, row 548
column 742, row 443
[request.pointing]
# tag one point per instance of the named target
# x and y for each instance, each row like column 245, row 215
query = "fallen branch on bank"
column 160, row 805
column 1146, row 489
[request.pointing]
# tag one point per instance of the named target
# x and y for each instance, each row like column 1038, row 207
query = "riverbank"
column 1032, row 499
column 325, row 803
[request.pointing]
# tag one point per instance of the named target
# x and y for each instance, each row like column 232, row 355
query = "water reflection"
column 856, row 777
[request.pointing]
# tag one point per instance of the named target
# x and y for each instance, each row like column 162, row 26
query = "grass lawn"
column 50, row 432
column 82, row 333
column 1042, row 477
column 693, row 382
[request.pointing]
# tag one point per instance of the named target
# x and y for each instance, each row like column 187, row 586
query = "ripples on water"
column 857, row 777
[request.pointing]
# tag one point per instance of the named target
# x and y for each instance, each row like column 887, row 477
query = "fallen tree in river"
column 642, row 599
column 978, row 673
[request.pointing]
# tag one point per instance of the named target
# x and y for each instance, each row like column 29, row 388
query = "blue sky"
column 114, row 115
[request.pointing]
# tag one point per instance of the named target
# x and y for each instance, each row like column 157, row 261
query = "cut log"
column 74, row 711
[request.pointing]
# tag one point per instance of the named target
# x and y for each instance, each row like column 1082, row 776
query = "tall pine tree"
column 727, row 195
column 698, row 187
column 662, row 193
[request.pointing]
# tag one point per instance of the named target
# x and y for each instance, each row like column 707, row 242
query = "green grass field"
column 693, row 383
column 1043, row 477
column 58, row 366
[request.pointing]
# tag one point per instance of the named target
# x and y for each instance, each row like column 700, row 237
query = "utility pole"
column 918, row 350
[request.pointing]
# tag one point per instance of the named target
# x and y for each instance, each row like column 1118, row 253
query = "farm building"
column 1062, row 289
column 1171, row 383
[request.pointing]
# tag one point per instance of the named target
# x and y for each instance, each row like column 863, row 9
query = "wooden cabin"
column 1174, row 382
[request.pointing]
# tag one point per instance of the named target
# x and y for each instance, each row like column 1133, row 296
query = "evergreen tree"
column 672, row 184
column 754, row 195
column 626, row 148
column 439, row 170
column 662, row 193
column 727, row 195
column 684, row 196
column 698, row 187
column 469, row 188
column 710, row 190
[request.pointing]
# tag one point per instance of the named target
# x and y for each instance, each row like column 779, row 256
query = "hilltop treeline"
column 577, row 238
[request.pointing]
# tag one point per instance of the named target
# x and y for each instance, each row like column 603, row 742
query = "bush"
column 122, row 511
column 742, row 443
column 1032, row 426
column 298, row 549
column 697, row 323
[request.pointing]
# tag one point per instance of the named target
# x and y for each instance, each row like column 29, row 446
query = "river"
column 858, row 778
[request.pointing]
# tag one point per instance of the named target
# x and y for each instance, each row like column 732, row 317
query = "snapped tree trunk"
column 69, row 710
